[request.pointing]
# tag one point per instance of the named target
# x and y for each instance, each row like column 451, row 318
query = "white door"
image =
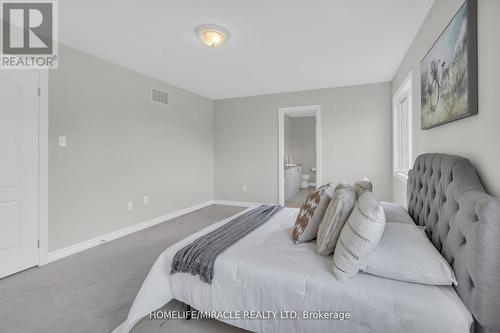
column 19, row 108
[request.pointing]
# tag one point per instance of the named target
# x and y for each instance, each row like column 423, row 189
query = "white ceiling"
column 275, row 45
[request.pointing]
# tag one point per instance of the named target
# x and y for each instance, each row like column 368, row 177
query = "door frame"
column 43, row 167
column 281, row 144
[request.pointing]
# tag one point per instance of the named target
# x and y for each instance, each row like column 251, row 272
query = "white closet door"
column 19, row 109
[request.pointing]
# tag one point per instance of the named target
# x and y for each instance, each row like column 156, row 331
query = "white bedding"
column 266, row 271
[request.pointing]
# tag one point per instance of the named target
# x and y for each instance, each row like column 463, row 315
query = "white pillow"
column 395, row 213
column 359, row 237
column 405, row 253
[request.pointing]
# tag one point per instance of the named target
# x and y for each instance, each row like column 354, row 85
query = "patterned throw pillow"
column 336, row 215
column 359, row 237
column 311, row 213
column 361, row 186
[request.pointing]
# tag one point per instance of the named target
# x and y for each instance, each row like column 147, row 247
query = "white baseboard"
column 72, row 249
column 240, row 203
column 82, row 246
column 312, row 184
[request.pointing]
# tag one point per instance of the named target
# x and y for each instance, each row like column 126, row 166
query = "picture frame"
column 449, row 71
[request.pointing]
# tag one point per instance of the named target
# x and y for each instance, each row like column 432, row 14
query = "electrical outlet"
column 244, row 188
column 146, row 199
column 130, row 205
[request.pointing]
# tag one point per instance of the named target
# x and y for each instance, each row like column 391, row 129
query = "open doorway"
column 299, row 154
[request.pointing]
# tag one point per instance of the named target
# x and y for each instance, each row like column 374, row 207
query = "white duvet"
column 265, row 271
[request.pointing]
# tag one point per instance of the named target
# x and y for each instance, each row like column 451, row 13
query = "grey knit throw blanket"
column 198, row 258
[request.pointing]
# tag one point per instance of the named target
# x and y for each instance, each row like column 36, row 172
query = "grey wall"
column 120, row 148
column 475, row 137
column 300, row 142
column 355, row 137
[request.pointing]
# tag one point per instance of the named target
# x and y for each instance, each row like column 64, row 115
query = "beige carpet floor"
column 92, row 291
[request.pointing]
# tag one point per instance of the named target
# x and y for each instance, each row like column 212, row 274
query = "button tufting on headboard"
column 463, row 222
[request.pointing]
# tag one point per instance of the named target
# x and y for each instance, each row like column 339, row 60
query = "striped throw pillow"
column 359, row 237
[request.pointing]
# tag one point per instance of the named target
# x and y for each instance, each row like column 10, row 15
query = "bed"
column 265, row 271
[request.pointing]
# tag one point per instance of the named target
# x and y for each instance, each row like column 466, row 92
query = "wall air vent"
column 159, row 96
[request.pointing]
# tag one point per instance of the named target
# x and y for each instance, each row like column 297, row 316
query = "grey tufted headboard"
column 463, row 221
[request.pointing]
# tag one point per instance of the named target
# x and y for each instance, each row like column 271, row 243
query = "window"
column 402, row 130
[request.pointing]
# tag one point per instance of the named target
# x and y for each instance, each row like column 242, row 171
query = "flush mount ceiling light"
column 212, row 35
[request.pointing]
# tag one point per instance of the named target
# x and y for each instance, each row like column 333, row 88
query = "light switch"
column 146, row 199
column 130, row 205
column 62, row 140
